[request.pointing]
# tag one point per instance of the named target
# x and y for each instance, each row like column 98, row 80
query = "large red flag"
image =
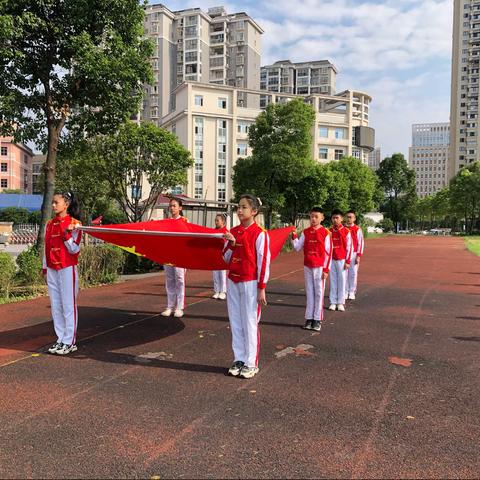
column 174, row 242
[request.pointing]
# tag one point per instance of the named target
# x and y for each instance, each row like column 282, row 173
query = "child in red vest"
column 220, row 276
column 248, row 256
column 60, row 259
column 317, row 250
column 175, row 276
column 341, row 257
column 358, row 246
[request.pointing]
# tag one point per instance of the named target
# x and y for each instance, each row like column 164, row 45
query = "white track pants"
column 175, row 286
column 338, row 280
column 244, row 314
column 315, row 290
column 63, row 292
column 219, row 281
column 352, row 276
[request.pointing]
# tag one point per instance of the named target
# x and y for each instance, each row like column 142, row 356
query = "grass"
column 473, row 244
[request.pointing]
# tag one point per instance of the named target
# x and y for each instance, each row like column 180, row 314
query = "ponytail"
column 73, row 208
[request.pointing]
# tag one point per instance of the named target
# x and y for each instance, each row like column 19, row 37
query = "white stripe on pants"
column 315, row 290
column 175, row 286
column 352, row 276
column 244, row 315
column 219, row 281
column 338, row 279
column 63, row 292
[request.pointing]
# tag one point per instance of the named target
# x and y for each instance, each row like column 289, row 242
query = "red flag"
column 175, row 242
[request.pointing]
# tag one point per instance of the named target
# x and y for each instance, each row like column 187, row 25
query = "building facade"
column 192, row 45
column 306, row 78
column 15, row 166
column 429, row 156
column 212, row 122
column 37, row 166
column 374, row 158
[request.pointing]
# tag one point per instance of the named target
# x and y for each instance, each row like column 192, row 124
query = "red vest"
column 243, row 262
column 56, row 253
column 339, row 241
column 353, row 232
column 314, row 246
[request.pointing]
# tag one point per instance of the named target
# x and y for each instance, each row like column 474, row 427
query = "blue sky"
column 398, row 51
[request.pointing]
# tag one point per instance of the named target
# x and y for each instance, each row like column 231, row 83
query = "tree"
column 15, row 215
column 136, row 153
column 74, row 64
column 281, row 142
column 398, row 181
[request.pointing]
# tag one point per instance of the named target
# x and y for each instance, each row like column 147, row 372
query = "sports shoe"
column 55, row 347
column 316, row 325
column 248, row 372
column 178, row 313
column 341, row 308
column 351, row 296
column 167, row 312
column 222, row 296
column 332, row 307
column 66, row 349
column 215, row 295
column 308, row 325
column 236, row 368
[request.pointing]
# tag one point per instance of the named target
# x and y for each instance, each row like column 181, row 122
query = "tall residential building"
column 212, row 124
column 15, row 166
column 37, row 164
column 464, row 108
column 305, row 78
column 191, row 45
column 374, row 158
column 429, row 155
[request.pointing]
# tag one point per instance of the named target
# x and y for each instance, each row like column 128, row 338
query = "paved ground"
column 146, row 396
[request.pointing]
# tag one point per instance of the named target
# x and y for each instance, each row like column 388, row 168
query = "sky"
column 397, row 51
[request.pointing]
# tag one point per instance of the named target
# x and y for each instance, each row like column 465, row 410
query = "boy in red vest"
column 317, row 250
column 341, row 257
column 358, row 245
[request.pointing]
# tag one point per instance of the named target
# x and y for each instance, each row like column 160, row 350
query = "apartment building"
column 374, row 158
column 15, row 166
column 305, row 78
column 212, row 122
column 193, row 45
column 464, row 108
column 37, row 165
column 429, row 155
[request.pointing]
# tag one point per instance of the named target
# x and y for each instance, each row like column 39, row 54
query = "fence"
column 24, row 234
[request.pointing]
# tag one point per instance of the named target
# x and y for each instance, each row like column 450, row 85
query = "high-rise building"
column 464, row 108
column 15, row 166
column 207, row 47
column 305, row 78
column 374, row 158
column 37, row 165
column 429, row 155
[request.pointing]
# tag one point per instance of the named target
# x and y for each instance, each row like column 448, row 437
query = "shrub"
column 30, row 267
column 7, row 274
column 386, row 225
column 14, row 214
column 35, row 217
column 100, row 264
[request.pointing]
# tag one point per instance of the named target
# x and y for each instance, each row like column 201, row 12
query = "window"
column 199, row 100
column 340, row 133
column 4, row 151
column 3, row 183
column 323, row 132
column 222, row 102
column 242, row 149
column 339, row 153
column 323, row 153
column 4, row 167
column 242, row 127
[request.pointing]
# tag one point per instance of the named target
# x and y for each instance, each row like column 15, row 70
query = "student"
column 341, row 256
column 248, row 256
column 358, row 246
column 317, row 251
column 220, row 276
column 175, row 276
column 60, row 259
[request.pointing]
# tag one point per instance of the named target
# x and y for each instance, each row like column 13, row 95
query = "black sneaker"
column 308, row 325
column 316, row 325
column 236, row 368
column 55, row 347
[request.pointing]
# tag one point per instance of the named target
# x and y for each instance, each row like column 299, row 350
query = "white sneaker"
column 215, row 295
column 332, row 307
column 248, row 372
column 236, row 368
column 167, row 312
column 66, row 349
column 55, row 347
column 341, row 308
column 178, row 313
column 351, row 296
column 222, row 296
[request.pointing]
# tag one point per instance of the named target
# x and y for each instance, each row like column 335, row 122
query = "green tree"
column 398, row 182
column 74, row 64
column 15, row 215
column 136, row 155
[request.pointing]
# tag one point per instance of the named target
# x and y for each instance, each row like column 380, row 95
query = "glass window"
column 199, row 100
column 339, row 153
column 323, row 153
column 222, row 102
column 340, row 133
column 4, row 151
column 4, row 183
column 242, row 149
column 4, row 167
column 323, row 132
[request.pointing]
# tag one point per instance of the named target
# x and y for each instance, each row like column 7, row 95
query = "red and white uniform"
column 175, row 282
column 220, row 276
column 249, row 270
column 341, row 254
column 317, row 251
column 60, row 261
column 357, row 247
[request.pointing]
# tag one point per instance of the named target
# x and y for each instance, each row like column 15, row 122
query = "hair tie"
column 259, row 201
